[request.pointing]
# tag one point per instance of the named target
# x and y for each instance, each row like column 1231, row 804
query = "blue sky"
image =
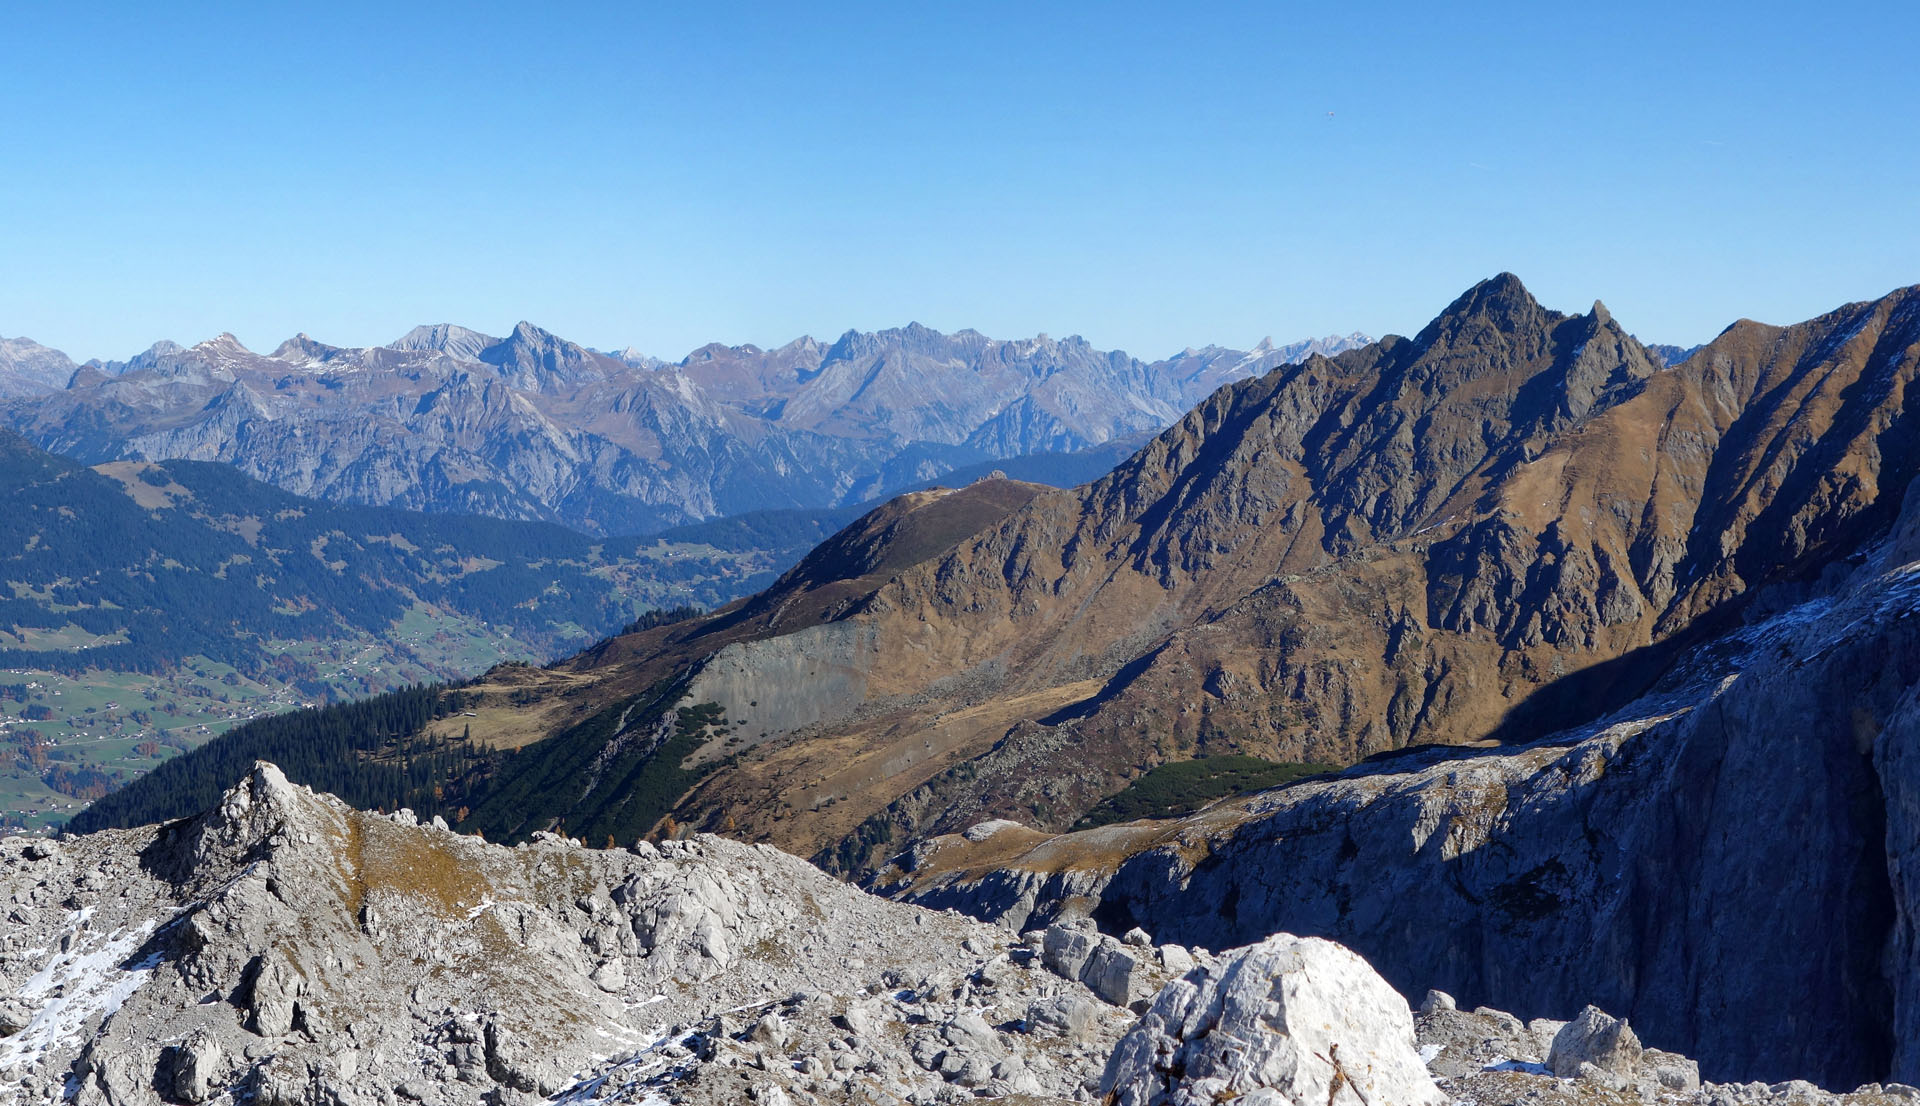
column 1150, row 176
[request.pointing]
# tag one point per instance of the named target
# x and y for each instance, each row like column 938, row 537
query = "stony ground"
column 284, row 949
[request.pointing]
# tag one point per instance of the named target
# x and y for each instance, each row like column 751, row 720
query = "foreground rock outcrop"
column 1290, row 1020
column 283, row 949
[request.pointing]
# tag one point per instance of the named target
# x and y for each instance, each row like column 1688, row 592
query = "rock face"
column 1743, row 833
column 533, row 426
column 1290, row 1020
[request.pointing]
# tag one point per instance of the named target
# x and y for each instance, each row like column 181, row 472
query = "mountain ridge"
column 537, row 427
column 1472, row 534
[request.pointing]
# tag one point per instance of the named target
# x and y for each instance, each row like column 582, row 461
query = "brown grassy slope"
column 515, row 706
column 1486, row 530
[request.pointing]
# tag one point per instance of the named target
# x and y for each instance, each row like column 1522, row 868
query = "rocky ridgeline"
column 285, row 949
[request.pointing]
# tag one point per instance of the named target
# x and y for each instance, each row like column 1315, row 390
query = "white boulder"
column 1291, row 1020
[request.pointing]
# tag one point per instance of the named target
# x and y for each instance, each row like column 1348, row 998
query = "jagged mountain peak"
column 1500, row 301
column 26, row 367
column 147, row 358
column 633, row 357
column 527, row 336
column 715, row 351
column 534, row 359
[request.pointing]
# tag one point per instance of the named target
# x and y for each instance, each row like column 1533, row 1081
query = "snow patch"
column 77, row 988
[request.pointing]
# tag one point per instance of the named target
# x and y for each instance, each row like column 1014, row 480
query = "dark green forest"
column 219, row 564
column 329, row 749
column 1182, row 787
column 407, row 749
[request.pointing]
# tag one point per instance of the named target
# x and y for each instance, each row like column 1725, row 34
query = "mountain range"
column 532, row 426
column 1582, row 675
column 1480, row 533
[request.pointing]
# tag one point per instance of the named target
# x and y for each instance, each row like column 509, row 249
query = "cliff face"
column 1729, row 861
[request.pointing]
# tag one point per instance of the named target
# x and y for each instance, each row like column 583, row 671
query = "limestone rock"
column 298, row 952
column 980, row 831
column 1065, row 1015
column 1118, row 975
column 1289, row 1020
column 1067, row 950
column 194, row 1066
column 1598, row 1040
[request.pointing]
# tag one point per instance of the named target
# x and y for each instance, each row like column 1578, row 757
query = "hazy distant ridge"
column 534, row 426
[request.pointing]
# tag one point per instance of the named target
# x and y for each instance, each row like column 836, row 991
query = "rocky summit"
column 283, row 948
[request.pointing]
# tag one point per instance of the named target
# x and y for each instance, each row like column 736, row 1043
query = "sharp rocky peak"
column 1501, row 301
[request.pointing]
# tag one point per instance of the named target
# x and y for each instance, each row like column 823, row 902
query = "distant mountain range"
column 532, row 426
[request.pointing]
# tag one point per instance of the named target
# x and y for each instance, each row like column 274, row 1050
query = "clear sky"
column 1150, row 176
